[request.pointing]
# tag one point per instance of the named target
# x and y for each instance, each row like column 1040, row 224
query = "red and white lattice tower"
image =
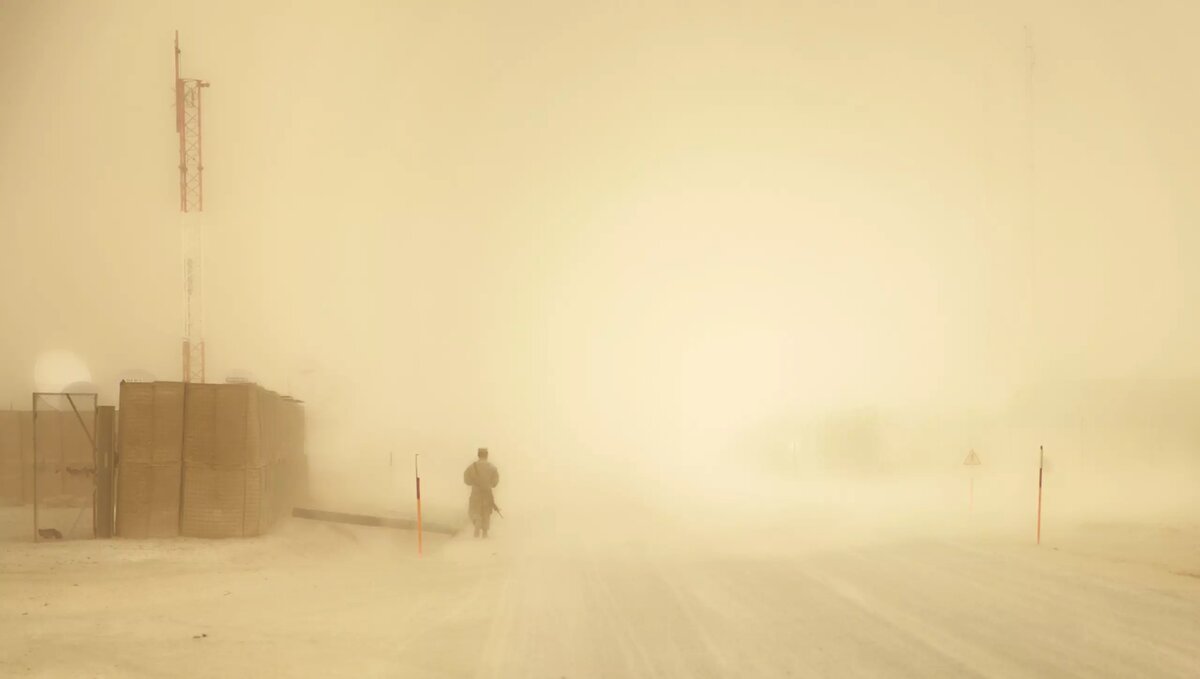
column 191, row 202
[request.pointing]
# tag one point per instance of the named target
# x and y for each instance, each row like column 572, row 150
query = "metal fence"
column 64, row 428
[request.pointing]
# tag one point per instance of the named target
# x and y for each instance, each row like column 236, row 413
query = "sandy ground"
column 16, row 523
column 564, row 600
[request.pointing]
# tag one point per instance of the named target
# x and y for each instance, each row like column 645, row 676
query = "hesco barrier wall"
column 16, row 455
column 206, row 460
column 149, row 462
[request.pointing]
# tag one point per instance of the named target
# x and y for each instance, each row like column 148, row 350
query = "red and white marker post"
column 971, row 463
column 417, row 472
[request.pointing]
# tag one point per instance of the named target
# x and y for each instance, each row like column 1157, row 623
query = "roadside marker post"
column 1041, row 468
column 417, row 471
column 971, row 462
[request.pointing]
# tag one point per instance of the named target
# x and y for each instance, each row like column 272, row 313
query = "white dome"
column 54, row 370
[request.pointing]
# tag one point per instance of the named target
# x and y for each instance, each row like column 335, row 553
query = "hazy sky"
column 543, row 223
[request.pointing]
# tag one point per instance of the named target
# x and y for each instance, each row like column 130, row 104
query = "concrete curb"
column 368, row 520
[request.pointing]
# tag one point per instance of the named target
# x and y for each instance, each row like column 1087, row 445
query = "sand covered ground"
column 579, row 599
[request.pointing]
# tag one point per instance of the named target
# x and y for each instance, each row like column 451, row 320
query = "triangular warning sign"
column 972, row 459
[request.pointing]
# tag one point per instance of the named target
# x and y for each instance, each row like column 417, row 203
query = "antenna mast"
column 191, row 200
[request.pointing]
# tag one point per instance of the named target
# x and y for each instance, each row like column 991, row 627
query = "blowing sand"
column 325, row 600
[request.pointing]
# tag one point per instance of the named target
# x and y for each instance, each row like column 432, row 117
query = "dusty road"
column 322, row 601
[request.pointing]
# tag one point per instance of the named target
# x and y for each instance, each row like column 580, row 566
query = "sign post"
column 972, row 461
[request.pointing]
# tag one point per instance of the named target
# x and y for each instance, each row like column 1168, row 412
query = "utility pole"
column 191, row 200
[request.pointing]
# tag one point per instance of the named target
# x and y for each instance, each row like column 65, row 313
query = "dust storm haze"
column 758, row 274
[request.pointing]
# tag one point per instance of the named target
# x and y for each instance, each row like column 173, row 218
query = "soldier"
column 482, row 476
